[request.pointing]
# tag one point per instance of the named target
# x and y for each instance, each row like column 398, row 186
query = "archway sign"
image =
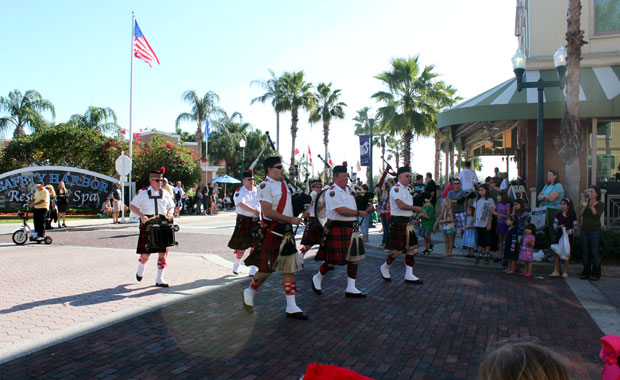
column 86, row 189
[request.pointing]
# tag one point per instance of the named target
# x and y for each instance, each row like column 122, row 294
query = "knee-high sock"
column 352, row 270
column 161, row 267
column 324, row 268
column 389, row 259
column 290, row 289
column 409, row 260
column 254, row 285
column 141, row 264
column 238, row 256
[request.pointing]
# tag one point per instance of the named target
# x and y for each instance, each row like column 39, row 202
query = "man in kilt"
column 275, row 251
column 342, row 214
column 247, row 208
column 402, row 208
column 313, row 234
column 149, row 202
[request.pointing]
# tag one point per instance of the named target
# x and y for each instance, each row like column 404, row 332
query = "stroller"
column 24, row 233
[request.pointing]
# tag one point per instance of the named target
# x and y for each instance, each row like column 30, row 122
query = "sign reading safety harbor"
column 86, row 189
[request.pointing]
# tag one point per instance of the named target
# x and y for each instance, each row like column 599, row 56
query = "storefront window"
column 607, row 152
column 607, row 17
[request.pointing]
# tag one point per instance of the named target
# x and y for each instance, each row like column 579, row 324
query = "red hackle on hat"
column 163, row 170
column 344, row 163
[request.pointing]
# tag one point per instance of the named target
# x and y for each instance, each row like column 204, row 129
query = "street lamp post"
column 242, row 145
column 518, row 63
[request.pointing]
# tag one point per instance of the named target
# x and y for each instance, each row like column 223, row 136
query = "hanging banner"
column 365, row 150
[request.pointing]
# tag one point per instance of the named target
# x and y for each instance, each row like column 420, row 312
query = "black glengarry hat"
column 339, row 169
column 403, row 169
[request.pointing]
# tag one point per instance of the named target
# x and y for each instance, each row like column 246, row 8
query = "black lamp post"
column 518, row 63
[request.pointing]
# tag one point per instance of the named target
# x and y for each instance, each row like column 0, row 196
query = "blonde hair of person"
column 61, row 186
column 51, row 190
column 522, row 361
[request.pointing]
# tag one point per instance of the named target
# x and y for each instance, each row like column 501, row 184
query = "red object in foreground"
column 331, row 372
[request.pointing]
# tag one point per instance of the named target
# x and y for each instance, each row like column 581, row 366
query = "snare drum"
column 160, row 233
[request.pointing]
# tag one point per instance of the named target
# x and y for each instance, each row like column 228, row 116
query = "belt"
column 341, row 223
column 254, row 219
column 400, row 219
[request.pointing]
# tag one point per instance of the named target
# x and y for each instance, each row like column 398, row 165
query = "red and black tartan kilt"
column 333, row 249
column 265, row 254
column 313, row 233
column 242, row 237
column 142, row 242
column 397, row 237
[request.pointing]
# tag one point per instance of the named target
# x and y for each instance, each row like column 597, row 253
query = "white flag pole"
column 133, row 35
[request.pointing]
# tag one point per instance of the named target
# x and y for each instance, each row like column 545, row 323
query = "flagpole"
column 133, row 31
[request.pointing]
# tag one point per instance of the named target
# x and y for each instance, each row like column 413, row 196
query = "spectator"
column 470, row 236
column 550, row 197
column 527, row 249
column 115, row 199
column 166, row 186
column 41, row 203
column 522, row 216
column 468, row 178
column 418, row 188
column 484, row 209
column 591, row 210
column 448, row 187
column 430, row 189
column 504, row 184
column 384, row 211
column 501, row 212
column 212, row 203
column 428, row 221
column 226, row 202
column 457, row 196
column 567, row 219
column 205, row 200
column 522, row 361
column 62, row 203
column 511, row 244
column 447, row 226
column 198, row 199
column 106, row 208
column 178, row 195
column 52, row 212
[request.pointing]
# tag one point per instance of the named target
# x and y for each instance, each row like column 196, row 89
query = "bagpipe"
column 300, row 199
column 160, row 233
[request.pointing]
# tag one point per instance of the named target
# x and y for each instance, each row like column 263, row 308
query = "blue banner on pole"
column 365, row 150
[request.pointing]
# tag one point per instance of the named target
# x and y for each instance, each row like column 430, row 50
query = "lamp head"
column 242, row 143
column 518, row 60
column 559, row 60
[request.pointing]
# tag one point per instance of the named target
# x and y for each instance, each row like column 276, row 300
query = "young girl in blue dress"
column 470, row 236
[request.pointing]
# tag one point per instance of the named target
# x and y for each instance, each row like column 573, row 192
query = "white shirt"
column 147, row 205
column 336, row 197
column 270, row 191
column 311, row 211
column 468, row 178
column 249, row 197
column 401, row 192
column 504, row 185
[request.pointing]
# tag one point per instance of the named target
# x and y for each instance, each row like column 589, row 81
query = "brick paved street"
column 438, row 330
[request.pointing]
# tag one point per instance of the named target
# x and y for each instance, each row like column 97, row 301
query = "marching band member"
column 401, row 235
column 277, row 250
column 247, row 208
column 313, row 233
column 342, row 214
column 150, row 202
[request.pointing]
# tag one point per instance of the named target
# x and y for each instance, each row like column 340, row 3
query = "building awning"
column 599, row 92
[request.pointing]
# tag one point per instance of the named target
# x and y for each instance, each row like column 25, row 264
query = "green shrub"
column 610, row 241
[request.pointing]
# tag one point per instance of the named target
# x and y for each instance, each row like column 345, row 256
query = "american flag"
column 329, row 159
column 309, row 154
column 141, row 47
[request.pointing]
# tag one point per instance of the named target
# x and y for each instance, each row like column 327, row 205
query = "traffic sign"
column 123, row 164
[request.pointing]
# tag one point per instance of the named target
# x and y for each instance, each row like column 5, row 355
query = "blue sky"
column 77, row 54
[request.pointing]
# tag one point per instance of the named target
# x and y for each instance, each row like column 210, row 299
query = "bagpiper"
column 277, row 251
column 339, row 246
column 402, row 235
column 150, row 202
column 246, row 231
column 313, row 234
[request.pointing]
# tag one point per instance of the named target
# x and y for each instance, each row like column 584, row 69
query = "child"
column 568, row 219
column 470, row 237
column 428, row 221
column 485, row 206
column 527, row 249
column 511, row 244
column 447, row 225
column 522, row 215
column 522, row 360
column 502, row 211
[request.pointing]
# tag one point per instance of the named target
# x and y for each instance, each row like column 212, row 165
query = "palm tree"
column 273, row 92
column 410, row 102
column 326, row 106
column 570, row 128
column 296, row 93
column 24, row 111
column 393, row 148
column 229, row 131
column 202, row 108
column 98, row 119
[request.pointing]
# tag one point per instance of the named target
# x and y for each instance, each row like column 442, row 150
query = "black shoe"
column 235, row 273
column 355, row 295
column 315, row 290
column 299, row 315
column 425, row 252
column 416, row 282
column 431, row 248
column 584, row 276
column 161, row 285
column 139, row 278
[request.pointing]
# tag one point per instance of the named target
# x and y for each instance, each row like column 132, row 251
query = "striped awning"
column 599, row 92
